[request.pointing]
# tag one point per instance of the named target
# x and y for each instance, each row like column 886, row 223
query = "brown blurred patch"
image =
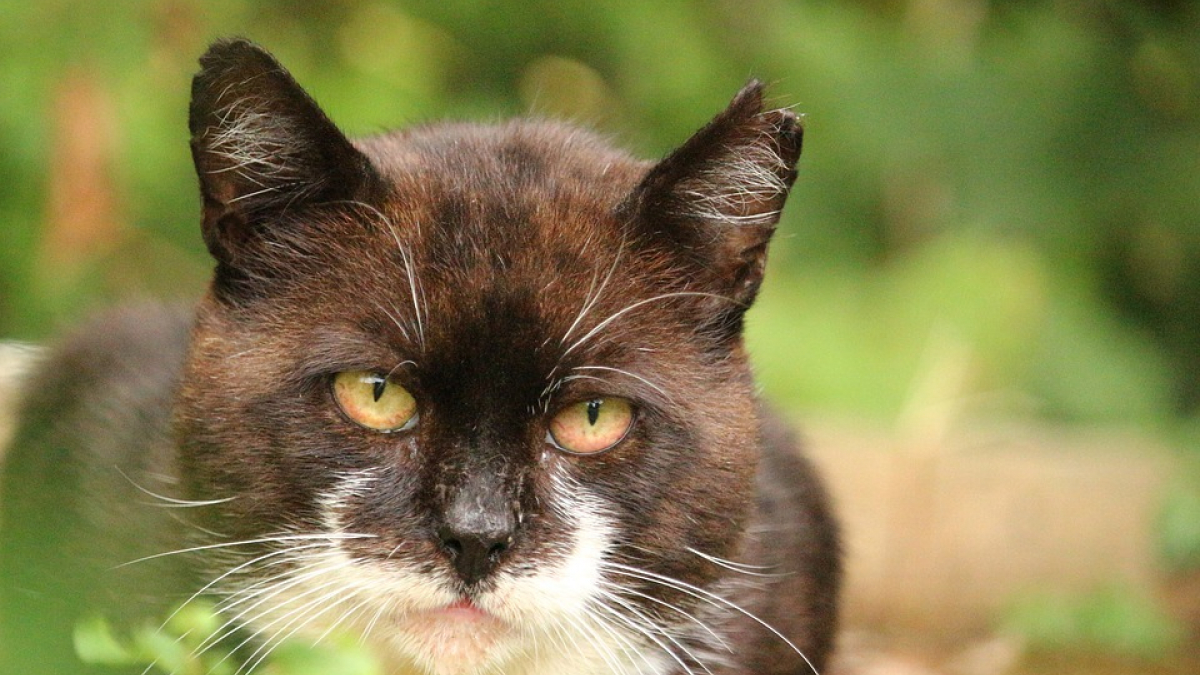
column 84, row 211
column 944, row 537
column 943, row 531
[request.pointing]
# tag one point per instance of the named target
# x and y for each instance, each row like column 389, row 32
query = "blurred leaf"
column 344, row 657
column 1179, row 522
column 96, row 644
column 1111, row 621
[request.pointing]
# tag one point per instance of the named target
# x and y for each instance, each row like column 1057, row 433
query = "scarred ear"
column 262, row 148
column 717, row 198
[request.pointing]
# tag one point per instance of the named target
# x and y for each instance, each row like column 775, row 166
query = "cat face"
column 474, row 392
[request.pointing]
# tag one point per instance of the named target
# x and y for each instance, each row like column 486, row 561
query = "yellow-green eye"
column 592, row 426
column 374, row 401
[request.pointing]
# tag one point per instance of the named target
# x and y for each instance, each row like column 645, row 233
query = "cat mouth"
column 463, row 610
column 451, row 639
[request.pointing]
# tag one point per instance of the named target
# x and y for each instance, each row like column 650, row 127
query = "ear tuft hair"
column 718, row 197
column 261, row 146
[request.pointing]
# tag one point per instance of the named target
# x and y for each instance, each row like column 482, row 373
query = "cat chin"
column 446, row 641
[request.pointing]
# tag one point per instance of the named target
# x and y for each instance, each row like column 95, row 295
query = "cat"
column 476, row 394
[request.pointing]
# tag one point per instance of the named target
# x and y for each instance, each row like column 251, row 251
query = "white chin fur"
column 540, row 622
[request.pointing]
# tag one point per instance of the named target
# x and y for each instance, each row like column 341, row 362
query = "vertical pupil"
column 593, row 412
column 377, row 388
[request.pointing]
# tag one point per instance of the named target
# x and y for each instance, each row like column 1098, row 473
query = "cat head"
column 471, row 387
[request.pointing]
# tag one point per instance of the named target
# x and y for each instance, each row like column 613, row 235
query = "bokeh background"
column 984, row 301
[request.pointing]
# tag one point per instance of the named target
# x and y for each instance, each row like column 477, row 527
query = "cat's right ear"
column 262, row 147
column 717, row 198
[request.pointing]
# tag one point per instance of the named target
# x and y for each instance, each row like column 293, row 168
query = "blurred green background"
column 998, row 202
column 1018, row 181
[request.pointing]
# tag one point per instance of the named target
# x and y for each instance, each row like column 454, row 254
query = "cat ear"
column 718, row 197
column 261, row 147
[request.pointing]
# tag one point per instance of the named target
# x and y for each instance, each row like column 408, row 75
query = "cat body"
column 476, row 393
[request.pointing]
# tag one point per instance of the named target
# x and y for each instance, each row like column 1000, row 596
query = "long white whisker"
column 171, row 502
column 629, row 308
column 260, row 630
column 740, row 568
column 716, row 636
column 412, row 287
column 626, row 373
column 590, row 300
column 255, row 596
column 409, row 272
column 708, row 596
column 647, row 629
column 245, row 542
column 394, row 317
column 231, row 572
column 585, row 627
column 384, row 607
column 303, row 616
column 654, row 626
column 265, row 589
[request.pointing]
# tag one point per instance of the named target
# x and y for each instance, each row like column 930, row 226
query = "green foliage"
column 1179, row 521
column 865, row 342
column 1113, row 621
column 1018, row 179
column 181, row 646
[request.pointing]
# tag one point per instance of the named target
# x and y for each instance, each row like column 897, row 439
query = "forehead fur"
column 526, row 207
column 501, row 187
column 517, row 152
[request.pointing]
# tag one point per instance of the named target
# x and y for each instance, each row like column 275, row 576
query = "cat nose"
column 477, row 526
column 474, row 550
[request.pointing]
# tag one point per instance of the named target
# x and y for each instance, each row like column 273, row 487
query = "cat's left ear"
column 262, row 148
column 718, row 198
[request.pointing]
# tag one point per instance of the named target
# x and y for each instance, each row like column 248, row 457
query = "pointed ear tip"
column 231, row 50
column 227, row 61
column 751, row 94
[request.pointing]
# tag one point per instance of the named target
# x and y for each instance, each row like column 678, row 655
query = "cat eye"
column 374, row 401
column 589, row 427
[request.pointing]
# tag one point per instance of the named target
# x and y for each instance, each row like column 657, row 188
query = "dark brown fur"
column 466, row 254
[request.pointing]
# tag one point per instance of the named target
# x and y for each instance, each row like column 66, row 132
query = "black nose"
column 477, row 525
column 475, row 547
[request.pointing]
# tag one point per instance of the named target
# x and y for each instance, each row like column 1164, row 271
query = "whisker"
column 590, row 300
column 260, row 630
column 716, row 636
column 303, row 616
column 394, row 317
column 707, row 596
column 245, row 542
column 257, row 595
column 640, row 303
column 171, row 502
column 740, row 568
column 263, row 590
column 414, row 283
column 648, row 631
column 384, row 608
column 585, row 627
column 666, row 396
column 231, row 572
